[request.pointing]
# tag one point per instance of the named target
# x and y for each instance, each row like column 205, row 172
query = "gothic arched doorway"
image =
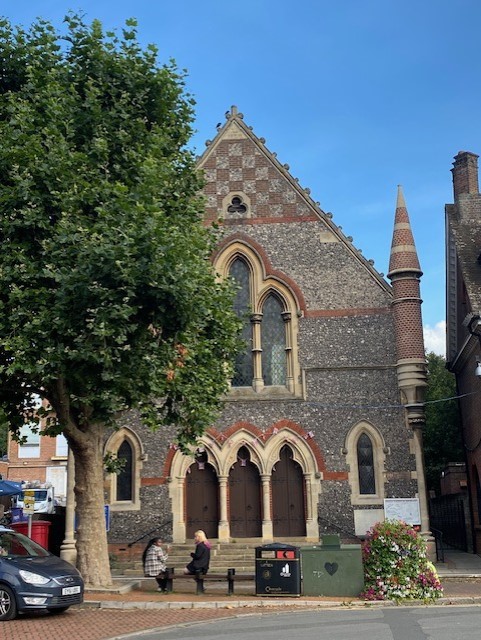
column 289, row 518
column 202, row 499
column 245, row 498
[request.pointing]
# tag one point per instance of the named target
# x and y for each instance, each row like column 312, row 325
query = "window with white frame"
column 29, row 446
column 61, row 446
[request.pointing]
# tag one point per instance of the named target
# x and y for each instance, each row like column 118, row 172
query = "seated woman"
column 201, row 556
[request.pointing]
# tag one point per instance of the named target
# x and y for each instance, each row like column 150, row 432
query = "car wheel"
column 8, row 604
column 57, row 610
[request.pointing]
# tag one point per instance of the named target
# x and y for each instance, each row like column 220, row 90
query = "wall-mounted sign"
column 405, row 509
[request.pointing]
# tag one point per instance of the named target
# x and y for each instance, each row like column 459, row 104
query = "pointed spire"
column 404, row 257
column 400, row 202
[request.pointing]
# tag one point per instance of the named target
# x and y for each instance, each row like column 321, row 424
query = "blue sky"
column 357, row 96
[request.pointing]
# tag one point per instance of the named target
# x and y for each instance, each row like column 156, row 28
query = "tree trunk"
column 92, row 549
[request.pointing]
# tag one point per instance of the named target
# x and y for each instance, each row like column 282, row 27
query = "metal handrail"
column 340, row 529
column 158, row 528
column 438, row 539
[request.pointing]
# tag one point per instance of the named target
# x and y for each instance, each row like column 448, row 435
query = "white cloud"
column 435, row 338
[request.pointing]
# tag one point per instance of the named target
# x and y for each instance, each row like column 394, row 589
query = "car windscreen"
column 16, row 544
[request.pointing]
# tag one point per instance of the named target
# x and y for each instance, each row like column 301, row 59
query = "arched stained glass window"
column 365, row 465
column 243, row 368
column 273, row 340
column 125, row 477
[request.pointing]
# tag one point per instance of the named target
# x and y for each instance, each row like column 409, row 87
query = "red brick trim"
column 264, row 259
column 152, row 482
column 252, row 221
column 221, row 437
column 338, row 313
column 336, row 475
column 312, row 444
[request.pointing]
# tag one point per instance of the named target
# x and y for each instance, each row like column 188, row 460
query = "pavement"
column 110, row 614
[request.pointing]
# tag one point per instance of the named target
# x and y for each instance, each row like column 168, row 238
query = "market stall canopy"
column 9, row 488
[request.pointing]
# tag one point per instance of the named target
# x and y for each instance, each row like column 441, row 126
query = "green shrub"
column 396, row 566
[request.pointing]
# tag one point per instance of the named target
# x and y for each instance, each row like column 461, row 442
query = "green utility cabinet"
column 332, row 569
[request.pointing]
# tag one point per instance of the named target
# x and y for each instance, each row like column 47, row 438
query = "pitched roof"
column 242, row 157
column 464, row 220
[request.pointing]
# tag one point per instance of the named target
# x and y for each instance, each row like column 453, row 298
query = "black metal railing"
column 159, row 529
column 438, row 538
column 448, row 514
column 343, row 532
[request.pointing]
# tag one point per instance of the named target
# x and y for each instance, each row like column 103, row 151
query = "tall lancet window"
column 125, row 477
column 365, row 462
column 273, row 342
column 270, row 314
column 243, row 369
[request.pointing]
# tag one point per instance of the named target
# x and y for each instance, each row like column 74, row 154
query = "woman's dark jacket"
column 200, row 558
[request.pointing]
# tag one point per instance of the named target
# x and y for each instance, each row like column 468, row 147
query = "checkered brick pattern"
column 239, row 167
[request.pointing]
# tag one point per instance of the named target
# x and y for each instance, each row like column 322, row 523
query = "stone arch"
column 302, row 451
column 112, row 446
column 178, row 469
column 379, row 458
column 262, row 284
column 264, row 449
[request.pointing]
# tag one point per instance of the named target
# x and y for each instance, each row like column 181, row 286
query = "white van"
column 44, row 499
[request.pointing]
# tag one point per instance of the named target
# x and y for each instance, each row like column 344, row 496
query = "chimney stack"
column 465, row 174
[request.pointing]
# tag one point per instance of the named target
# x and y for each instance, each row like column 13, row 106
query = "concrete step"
column 237, row 555
column 181, row 562
column 214, row 568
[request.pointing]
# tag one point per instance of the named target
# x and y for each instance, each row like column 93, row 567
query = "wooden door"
column 289, row 519
column 202, row 500
column 245, row 514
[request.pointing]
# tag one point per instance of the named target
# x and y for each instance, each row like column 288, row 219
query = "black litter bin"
column 278, row 570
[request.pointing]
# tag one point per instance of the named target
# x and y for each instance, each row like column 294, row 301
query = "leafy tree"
column 107, row 296
column 442, row 437
column 3, row 434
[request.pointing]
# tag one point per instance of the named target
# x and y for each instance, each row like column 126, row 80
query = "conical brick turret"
column 405, row 274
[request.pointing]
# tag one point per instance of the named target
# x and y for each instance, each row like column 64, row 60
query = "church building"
column 323, row 421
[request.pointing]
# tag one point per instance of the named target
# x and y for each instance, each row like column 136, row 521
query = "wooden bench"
column 200, row 578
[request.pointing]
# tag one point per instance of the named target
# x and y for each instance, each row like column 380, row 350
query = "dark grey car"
column 31, row 578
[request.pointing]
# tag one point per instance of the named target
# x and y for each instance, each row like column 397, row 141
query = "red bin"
column 40, row 531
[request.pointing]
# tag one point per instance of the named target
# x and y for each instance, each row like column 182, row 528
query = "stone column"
column 287, row 318
column 267, row 529
column 178, row 502
column 68, row 549
column 224, row 528
column 258, row 382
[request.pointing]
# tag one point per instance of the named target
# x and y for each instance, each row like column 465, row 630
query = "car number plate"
column 68, row 591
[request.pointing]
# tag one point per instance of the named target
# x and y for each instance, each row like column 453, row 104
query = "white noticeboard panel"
column 405, row 509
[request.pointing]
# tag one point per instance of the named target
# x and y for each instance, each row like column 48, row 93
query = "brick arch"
column 264, row 261
column 264, row 446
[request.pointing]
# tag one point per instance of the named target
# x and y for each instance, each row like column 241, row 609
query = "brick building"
column 324, row 417
column 39, row 459
column 463, row 267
